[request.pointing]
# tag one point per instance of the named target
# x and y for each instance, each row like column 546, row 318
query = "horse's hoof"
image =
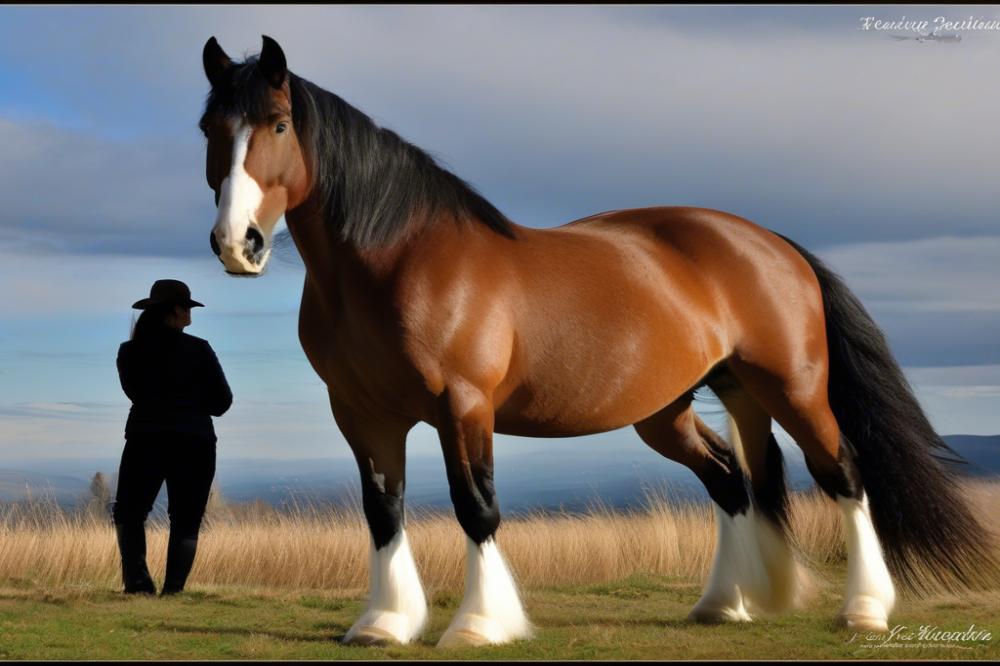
column 463, row 638
column 864, row 613
column 717, row 614
column 863, row 623
column 474, row 630
column 370, row 637
column 378, row 627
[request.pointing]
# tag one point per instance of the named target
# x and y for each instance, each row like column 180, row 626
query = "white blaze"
column 240, row 198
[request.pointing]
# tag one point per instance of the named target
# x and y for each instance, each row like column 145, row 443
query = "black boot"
column 180, row 558
column 132, row 544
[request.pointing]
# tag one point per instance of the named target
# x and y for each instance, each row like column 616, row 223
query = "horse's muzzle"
column 247, row 259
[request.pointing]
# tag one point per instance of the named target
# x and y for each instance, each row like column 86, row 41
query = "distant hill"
column 18, row 485
column 982, row 452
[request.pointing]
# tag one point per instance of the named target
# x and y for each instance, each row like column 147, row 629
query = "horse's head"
column 254, row 161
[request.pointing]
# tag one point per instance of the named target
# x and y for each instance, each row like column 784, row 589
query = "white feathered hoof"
column 491, row 612
column 397, row 608
column 863, row 613
column 474, row 631
column 711, row 611
column 381, row 628
column 788, row 583
column 371, row 637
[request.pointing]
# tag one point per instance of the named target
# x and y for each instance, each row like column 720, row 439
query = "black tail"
column 922, row 520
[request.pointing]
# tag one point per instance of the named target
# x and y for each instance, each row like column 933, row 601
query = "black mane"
column 370, row 180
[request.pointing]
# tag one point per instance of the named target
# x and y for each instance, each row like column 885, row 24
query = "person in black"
column 176, row 385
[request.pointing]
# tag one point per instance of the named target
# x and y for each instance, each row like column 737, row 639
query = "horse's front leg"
column 397, row 608
column 491, row 611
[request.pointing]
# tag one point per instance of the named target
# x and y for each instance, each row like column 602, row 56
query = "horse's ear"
column 215, row 60
column 272, row 62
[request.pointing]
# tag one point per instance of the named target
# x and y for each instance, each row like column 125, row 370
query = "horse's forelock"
column 243, row 93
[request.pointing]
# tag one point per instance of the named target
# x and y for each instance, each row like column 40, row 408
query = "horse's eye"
column 281, row 127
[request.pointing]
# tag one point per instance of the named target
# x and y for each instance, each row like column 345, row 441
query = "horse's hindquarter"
column 613, row 321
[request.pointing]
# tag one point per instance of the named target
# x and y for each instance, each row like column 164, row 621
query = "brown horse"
column 422, row 302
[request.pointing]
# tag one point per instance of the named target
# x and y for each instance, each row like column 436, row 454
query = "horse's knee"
column 719, row 469
column 474, row 498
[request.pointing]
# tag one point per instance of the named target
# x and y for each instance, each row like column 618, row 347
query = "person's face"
column 180, row 318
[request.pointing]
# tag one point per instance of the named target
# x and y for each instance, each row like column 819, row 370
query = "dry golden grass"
column 256, row 547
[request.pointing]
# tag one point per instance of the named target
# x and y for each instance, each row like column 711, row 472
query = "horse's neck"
column 335, row 266
column 347, row 312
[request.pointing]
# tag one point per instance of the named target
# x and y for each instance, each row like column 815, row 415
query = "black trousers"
column 186, row 463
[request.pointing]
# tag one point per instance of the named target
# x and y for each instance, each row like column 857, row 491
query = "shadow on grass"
column 242, row 631
column 64, row 597
column 335, row 638
column 678, row 623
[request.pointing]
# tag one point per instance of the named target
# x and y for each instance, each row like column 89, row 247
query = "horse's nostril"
column 214, row 243
column 255, row 240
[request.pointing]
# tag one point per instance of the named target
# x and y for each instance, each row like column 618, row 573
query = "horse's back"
column 622, row 313
column 711, row 262
column 742, row 264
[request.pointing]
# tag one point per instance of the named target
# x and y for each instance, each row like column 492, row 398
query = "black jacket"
column 175, row 385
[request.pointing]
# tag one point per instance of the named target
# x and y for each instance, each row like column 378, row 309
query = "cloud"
column 59, row 410
column 76, row 194
column 972, row 392
column 955, row 376
column 48, row 284
column 70, row 407
column 935, row 298
column 960, row 399
column 943, row 275
column 761, row 20
column 796, row 120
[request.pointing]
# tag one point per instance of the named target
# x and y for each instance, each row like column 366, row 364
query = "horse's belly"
column 539, row 413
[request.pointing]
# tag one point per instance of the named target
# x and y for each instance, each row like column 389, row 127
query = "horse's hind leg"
column 677, row 433
column 491, row 610
column 397, row 609
column 798, row 401
column 754, row 443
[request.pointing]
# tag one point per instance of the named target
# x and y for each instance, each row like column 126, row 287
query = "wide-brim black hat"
column 174, row 292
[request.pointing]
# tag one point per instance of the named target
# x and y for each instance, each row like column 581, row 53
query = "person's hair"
column 152, row 323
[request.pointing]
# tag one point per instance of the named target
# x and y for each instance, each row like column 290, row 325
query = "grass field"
column 598, row 586
column 639, row 617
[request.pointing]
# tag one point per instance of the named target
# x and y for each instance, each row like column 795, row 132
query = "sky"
column 879, row 155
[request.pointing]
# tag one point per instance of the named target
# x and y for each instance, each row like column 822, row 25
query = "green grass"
column 642, row 617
